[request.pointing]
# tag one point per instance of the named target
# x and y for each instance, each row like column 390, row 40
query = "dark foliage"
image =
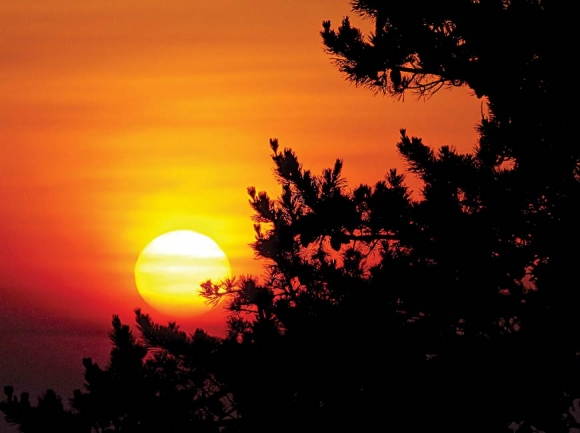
column 147, row 387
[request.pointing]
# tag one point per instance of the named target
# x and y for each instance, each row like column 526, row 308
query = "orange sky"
column 121, row 120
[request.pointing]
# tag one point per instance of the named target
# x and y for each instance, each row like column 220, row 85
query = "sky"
column 121, row 120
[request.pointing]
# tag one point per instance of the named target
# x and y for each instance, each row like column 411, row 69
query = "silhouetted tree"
column 159, row 383
column 457, row 308
column 48, row 415
column 508, row 52
column 380, row 304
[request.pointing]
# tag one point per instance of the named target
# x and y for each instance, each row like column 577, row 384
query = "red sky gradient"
column 121, row 120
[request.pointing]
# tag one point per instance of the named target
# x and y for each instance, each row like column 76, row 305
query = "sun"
column 170, row 269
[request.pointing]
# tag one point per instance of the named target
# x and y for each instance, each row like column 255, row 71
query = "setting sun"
column 170, row 269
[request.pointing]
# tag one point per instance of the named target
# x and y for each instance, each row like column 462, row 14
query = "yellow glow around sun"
column 170, row 269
